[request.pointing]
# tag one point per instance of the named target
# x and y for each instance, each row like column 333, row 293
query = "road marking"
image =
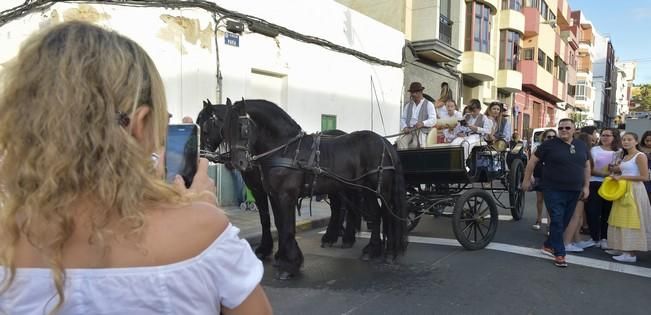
column 534, row 252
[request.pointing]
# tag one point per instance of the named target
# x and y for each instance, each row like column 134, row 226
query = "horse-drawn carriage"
column 281, row 163
column 438, row 177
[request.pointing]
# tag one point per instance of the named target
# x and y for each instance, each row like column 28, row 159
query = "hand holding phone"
column 182, row 152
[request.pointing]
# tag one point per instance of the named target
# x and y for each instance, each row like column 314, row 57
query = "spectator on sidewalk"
column 597, row 208
column 187, row 120
column 572, row 236
column 537, row 181
column 566, row 177
column 635, row 170
column 645, row 147
column 87, row 226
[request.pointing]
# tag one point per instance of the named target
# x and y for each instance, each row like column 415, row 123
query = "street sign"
column 232, row 39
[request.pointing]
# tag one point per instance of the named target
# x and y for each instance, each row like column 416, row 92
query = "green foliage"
column 641, row 95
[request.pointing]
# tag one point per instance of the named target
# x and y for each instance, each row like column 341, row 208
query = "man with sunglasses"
column 566, row 179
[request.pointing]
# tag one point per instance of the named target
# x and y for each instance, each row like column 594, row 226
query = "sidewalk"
column 249, row 221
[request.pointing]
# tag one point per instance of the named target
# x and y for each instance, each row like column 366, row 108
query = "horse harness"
column 313, row 164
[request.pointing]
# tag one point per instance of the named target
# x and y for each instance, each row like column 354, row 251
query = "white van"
column 535, row 136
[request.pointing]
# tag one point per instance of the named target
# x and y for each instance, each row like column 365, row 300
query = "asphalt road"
column 509, row 277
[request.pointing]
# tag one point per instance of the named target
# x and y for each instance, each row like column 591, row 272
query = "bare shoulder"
column 178, row 233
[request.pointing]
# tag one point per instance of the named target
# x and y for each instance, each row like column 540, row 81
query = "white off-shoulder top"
column 225, row 274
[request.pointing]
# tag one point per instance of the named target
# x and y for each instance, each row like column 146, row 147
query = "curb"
column 301, row 226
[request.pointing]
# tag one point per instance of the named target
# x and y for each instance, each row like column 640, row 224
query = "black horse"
column 211, row 120
column 292, row 164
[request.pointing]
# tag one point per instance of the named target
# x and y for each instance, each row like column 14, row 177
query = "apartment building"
column 549, row 61
column 585, row 92
column 604, row 82
column 626, row 74
column 434, row 33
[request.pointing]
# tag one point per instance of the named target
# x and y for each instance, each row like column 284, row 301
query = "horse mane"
column 283, row 124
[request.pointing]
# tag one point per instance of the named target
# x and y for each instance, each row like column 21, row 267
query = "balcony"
column 570, row 38
column 436, row 48
column 512, row 20
column 532, row 21
column 478, row 65
column 509, row 80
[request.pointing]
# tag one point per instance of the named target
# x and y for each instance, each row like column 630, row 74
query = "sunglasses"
column 550, row 137
column 564, row 128
column 606, row 136
column 572, row 149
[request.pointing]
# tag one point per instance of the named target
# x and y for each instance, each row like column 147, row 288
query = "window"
column 509, row 50
column 445, row 25
column 328, row 122
column 560, row 68
column 478, row 24
column 445, row 8
column 512, row 5
column 531, row 3
column 571, row 90
column 544, row 9
column 580, row 93
column 528, row 54
column 552, row 16
column 541, row 58
column 550, row 65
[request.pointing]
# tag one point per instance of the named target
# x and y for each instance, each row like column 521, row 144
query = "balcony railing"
column 445, row 30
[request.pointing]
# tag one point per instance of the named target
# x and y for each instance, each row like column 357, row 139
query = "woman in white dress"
column 635, row 170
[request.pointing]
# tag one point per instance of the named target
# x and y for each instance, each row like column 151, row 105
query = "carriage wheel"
column 516, row 194
column 413, row 214
column 475, row 217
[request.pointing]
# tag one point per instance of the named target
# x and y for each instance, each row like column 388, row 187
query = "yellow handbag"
column 624, row 212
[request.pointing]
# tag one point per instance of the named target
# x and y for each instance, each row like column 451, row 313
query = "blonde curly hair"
column 61, row 141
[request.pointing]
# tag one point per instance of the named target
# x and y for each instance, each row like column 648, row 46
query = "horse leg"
column 334, row 226
column 353, row 221
column 374, row 247
column 290, row 257
column 266, row 246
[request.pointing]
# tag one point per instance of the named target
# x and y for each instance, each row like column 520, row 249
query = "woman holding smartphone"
column 88, row 225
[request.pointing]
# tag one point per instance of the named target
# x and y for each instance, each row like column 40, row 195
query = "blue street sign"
column 232, row 39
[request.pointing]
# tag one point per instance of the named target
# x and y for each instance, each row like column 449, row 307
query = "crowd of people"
column 572, row 171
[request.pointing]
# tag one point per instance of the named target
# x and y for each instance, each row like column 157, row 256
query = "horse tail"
column 398, row 225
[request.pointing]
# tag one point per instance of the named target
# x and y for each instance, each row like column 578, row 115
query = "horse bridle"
column 244, row 123
column 222, row 155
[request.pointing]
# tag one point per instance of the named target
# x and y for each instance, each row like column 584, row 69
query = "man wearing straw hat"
column 417, row 119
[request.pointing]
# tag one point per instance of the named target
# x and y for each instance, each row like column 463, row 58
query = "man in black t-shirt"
column 566, row 178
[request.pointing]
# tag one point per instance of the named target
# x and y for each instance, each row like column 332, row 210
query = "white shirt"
column 486, row 128
column 431, row 114
column 601, row 159
column 225, row 274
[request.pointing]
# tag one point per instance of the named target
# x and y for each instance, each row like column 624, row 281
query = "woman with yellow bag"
column 629, row 224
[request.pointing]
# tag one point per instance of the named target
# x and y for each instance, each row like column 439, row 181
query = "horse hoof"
column 347, row 245
column 284, row 275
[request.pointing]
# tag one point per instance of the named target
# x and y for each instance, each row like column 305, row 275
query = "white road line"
column 534, row 252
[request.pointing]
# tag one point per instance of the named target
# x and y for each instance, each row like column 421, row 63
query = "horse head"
column 238, row 134
column 211, row 120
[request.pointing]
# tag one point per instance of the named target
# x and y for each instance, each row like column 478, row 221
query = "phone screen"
column 182, row 152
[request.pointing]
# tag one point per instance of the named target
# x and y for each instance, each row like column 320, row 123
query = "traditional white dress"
column 633, row 239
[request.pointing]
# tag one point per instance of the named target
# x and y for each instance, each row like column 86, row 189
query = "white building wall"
column 599, row 74
column 305, row 79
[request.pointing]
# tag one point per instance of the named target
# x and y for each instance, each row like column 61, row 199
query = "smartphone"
column 182, row 152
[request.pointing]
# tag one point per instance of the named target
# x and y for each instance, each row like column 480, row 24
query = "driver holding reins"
column 417, row 119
